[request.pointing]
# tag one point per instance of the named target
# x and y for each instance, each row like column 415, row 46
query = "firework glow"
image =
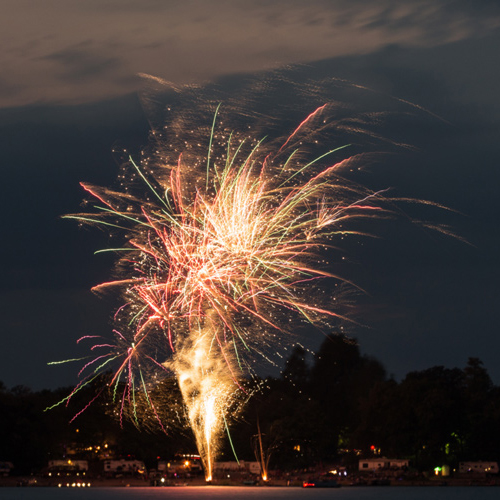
column 224, row 241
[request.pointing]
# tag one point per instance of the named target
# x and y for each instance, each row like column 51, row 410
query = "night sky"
column 70, row 93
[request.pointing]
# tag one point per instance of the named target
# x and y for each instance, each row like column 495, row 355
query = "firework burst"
column 224, row 240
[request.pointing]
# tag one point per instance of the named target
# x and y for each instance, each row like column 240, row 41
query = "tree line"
column 337, row 407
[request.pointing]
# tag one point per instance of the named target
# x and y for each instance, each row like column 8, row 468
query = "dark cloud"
column 71, row 51
column 132, row 6
column 82, row 62
column 9, row 89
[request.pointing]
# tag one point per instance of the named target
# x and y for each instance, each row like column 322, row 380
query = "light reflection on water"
column 250, row 493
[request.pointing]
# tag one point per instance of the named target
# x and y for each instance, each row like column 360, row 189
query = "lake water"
column 250, row 493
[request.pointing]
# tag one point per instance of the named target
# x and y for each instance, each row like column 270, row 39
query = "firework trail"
column 224, row 234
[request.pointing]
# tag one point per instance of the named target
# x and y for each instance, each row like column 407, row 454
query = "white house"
column 379, row 463
column 124, row 466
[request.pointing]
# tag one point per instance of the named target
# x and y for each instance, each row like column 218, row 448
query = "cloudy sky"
column 68, row 51
column 70, row 73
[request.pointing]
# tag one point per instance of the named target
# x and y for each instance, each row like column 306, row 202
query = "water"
column 250, row 493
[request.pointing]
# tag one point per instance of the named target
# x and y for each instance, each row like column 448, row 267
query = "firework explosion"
column 224, row 242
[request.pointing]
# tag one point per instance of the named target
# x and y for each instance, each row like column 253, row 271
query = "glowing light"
column 262, row 455
column 221, row 254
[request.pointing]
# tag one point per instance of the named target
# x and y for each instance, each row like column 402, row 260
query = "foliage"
column 332, row 407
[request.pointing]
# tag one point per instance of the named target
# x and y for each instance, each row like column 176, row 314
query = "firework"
column 224, row 241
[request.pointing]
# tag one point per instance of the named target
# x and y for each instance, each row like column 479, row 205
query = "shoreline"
column 131, row 482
